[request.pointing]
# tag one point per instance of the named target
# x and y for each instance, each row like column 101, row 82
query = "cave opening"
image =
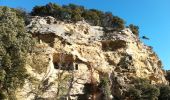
column 76, row 66
column 113, row 45
column 64, row 62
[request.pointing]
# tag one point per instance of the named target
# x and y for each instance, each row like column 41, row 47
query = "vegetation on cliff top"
column 74, row 13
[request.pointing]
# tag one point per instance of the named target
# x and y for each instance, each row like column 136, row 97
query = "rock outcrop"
column 71, row 59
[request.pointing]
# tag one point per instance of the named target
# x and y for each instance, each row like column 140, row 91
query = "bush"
column 117, row 23
column 134, row 93
column 143, row 90
column 105, row 88
column 92, row 17
column 151, row 92
column 164, row 92
column 107, row 19
column 75, row 10
column 168, row 75
column 2, row 95
column 134, row 29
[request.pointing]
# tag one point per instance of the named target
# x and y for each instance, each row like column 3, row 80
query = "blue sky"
column 152, row 16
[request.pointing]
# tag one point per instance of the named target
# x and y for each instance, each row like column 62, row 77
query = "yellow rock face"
column 86, row 53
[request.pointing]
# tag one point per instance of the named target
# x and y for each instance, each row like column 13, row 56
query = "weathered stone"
column 81, row 53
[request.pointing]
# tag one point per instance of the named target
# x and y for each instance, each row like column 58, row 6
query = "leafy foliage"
column 105, row 88
column 134, row 29
column 142, row 89
column 117, row 23
column 14, row 45
column 164, row 92
column 168, row 75
column 134, row 93
column 76, row 13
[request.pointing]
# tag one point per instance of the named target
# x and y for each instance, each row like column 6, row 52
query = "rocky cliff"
column 72, row 60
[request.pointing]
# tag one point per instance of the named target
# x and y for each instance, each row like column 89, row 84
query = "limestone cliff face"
column 71, row 58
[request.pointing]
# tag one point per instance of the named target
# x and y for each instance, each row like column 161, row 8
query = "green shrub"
column 134, row 29
column 151, row 92
column 117, row 23
column 105, row 88
column 107, row 19
column 164, row 92
column 2, row 95
column 134, row 93
column 91, row 16
column 75, row 11
column 168, row 75
column 143, row 90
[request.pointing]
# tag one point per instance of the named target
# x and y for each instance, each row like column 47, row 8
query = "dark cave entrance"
column 64, row 62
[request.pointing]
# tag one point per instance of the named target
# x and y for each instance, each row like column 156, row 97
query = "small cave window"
column 64, row 65
column 56, row 65
column 67, row 34
column 70, row 66
column 76, row 66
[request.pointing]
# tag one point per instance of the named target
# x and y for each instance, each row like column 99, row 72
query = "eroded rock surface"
column 81, row 55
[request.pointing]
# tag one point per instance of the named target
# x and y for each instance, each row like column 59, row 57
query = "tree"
column 38, row 11
column 14, row 45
